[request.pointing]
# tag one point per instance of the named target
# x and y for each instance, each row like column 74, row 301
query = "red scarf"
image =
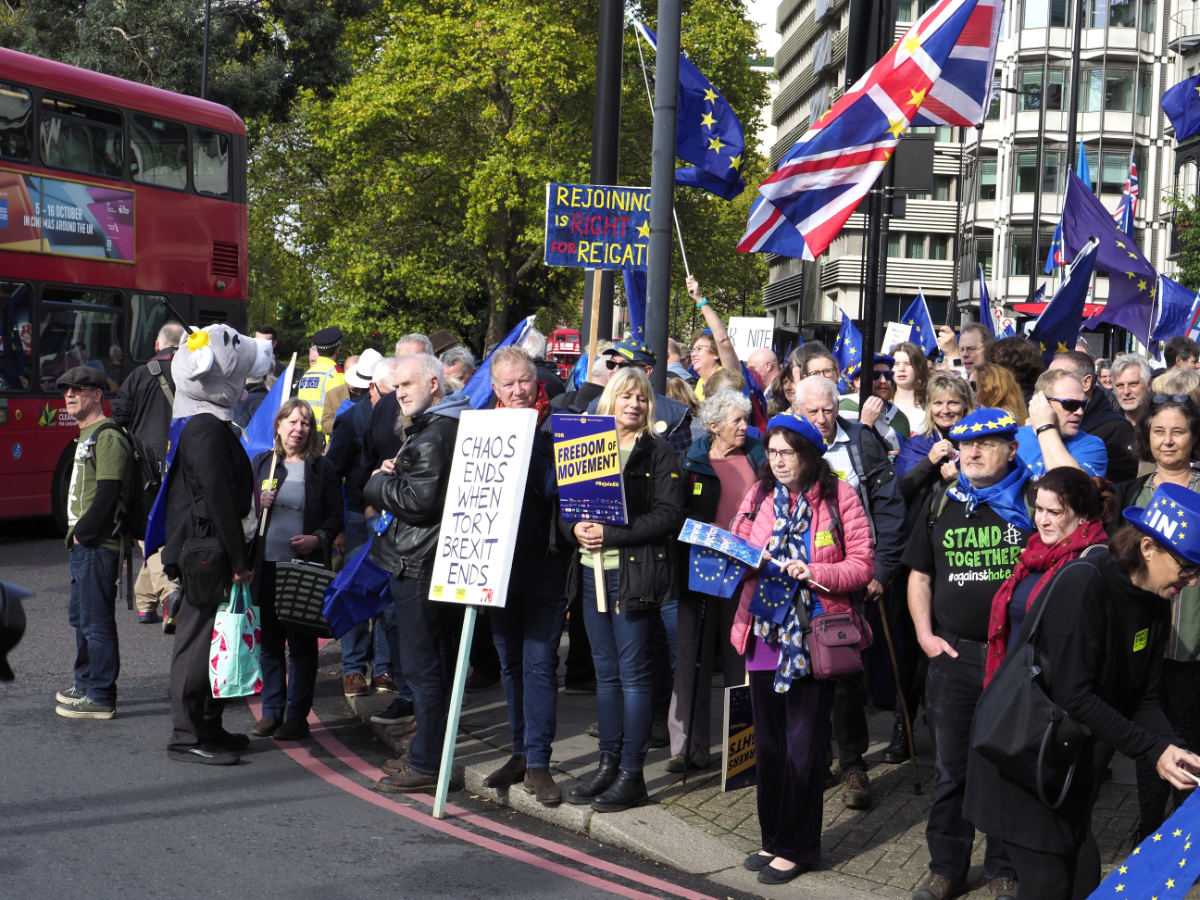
column 1036, row 557
column 541, row 404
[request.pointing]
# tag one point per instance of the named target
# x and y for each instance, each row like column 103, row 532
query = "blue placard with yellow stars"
column 596, row 226
column 712, row 572
column 1164, row 865
column 773, row 596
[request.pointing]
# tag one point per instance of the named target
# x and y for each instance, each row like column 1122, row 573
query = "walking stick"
column 908, row 732
column 687, row 739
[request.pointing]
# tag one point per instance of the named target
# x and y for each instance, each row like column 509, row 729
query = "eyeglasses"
column 883, row 376
column 1160, row 399
column 781, row 454
column 828, row 373
column 1186, row 569
column 1069, row 405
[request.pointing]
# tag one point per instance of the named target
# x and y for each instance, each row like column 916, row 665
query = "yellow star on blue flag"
column 1161, row 866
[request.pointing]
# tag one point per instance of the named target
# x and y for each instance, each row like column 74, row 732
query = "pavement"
column 695, row 827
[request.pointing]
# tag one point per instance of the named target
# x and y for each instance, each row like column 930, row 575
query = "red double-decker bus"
column 113, row 197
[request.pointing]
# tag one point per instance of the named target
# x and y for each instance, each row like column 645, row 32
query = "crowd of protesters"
column 940, row 509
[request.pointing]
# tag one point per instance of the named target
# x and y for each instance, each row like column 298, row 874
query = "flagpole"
column 650, row 100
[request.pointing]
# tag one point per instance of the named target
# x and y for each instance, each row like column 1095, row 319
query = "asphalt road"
column 96, row 809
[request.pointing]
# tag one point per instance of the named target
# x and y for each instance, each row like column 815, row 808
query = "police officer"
column 323, row 374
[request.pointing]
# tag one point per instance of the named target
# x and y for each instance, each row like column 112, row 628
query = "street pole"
column 204, row 54
column 662, row 186
column 606, row 134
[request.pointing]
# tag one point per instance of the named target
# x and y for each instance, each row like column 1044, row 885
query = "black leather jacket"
column 654, row 502
column 416, row 492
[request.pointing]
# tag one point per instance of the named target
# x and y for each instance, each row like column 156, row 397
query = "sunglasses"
column 77, row 388
column 882, row 376
column 1069, row 405
column 1160, row 399
column 611, row 364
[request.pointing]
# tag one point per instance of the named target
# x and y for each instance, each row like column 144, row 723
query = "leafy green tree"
column 262, row 53
column 1187, row 227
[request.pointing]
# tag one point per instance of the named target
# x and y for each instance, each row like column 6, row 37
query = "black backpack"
column 133, row 510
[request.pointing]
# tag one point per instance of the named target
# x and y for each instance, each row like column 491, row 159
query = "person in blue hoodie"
column 411, row 489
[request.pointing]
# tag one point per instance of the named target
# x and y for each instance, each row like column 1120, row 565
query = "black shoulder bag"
column 1019, row 728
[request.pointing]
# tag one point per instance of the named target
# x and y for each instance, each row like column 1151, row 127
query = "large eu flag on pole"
column 1165, row 865
column 1181, row 103
column 1057, row 328
column 708, row 133
column 1131, row 279
column 1171, row 311
column 479, row 387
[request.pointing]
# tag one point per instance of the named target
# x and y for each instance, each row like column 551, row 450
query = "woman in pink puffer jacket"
column 815, row 529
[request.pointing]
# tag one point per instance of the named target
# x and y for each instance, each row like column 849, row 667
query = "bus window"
column 78, row 330
column 16, row 338
column 210, row 162
column 159, row 152
column 147, row 315
column 16, row 122
column 81, row 137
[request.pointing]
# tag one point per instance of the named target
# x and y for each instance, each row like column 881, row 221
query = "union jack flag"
column 1127, row 208
column 941, row 62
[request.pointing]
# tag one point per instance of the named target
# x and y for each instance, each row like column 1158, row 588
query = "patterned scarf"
column 1036, row 557
column 787, row 542
column 541, row 404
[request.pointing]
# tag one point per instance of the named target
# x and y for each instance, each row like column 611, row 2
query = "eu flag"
column 847, row 348
column 1171, row 311
column 635, row 299
column 1181, row 103
column 479, row 388
column 259, row 433
column 1057, row 328
column 985, row 304
column 1163, row 865
column 923, row 334
column 708, row 133
column 1131, row 278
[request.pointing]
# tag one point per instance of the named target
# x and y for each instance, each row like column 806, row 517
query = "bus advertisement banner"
column 597, row 226
column 39, row 214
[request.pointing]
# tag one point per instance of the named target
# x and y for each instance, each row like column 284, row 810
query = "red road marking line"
column 346, row 756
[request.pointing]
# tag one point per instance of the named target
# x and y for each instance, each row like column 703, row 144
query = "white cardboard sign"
column 895, row 333
column 483, row 505
column 749, row 334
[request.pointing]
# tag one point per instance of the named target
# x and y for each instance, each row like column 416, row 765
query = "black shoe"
column 756, row 861
column 769, row 875
column 628, row 791
column 600, row 782
column 897, row 751
column 292, row 730
column 397, row 712
column 508, row 774
column 171, row 611
column 227, row 740
column 205, row 755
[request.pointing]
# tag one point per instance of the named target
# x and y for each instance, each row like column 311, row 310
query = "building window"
column 983, row 256
column 914, row 247
column 939, row 246
column 1113, row 172
column 893, row 245
column 1026, row 177
column 943, row 187
column 987, row 179
column 1148, row 15
column 1110, row 89
column 1040, row 13
column 993, row 112
column 1032, row 87
column 1102, row 13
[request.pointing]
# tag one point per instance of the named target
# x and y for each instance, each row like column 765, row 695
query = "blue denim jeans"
column 622, row 655
column 664, row 646
column 427, row 635
column 91, row 611
column 526, row 632
column 952, row 689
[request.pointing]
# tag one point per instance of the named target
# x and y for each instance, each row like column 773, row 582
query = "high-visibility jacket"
column 316, row 382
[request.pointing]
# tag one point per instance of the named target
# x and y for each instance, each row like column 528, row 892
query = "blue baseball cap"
column 1172, row 517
